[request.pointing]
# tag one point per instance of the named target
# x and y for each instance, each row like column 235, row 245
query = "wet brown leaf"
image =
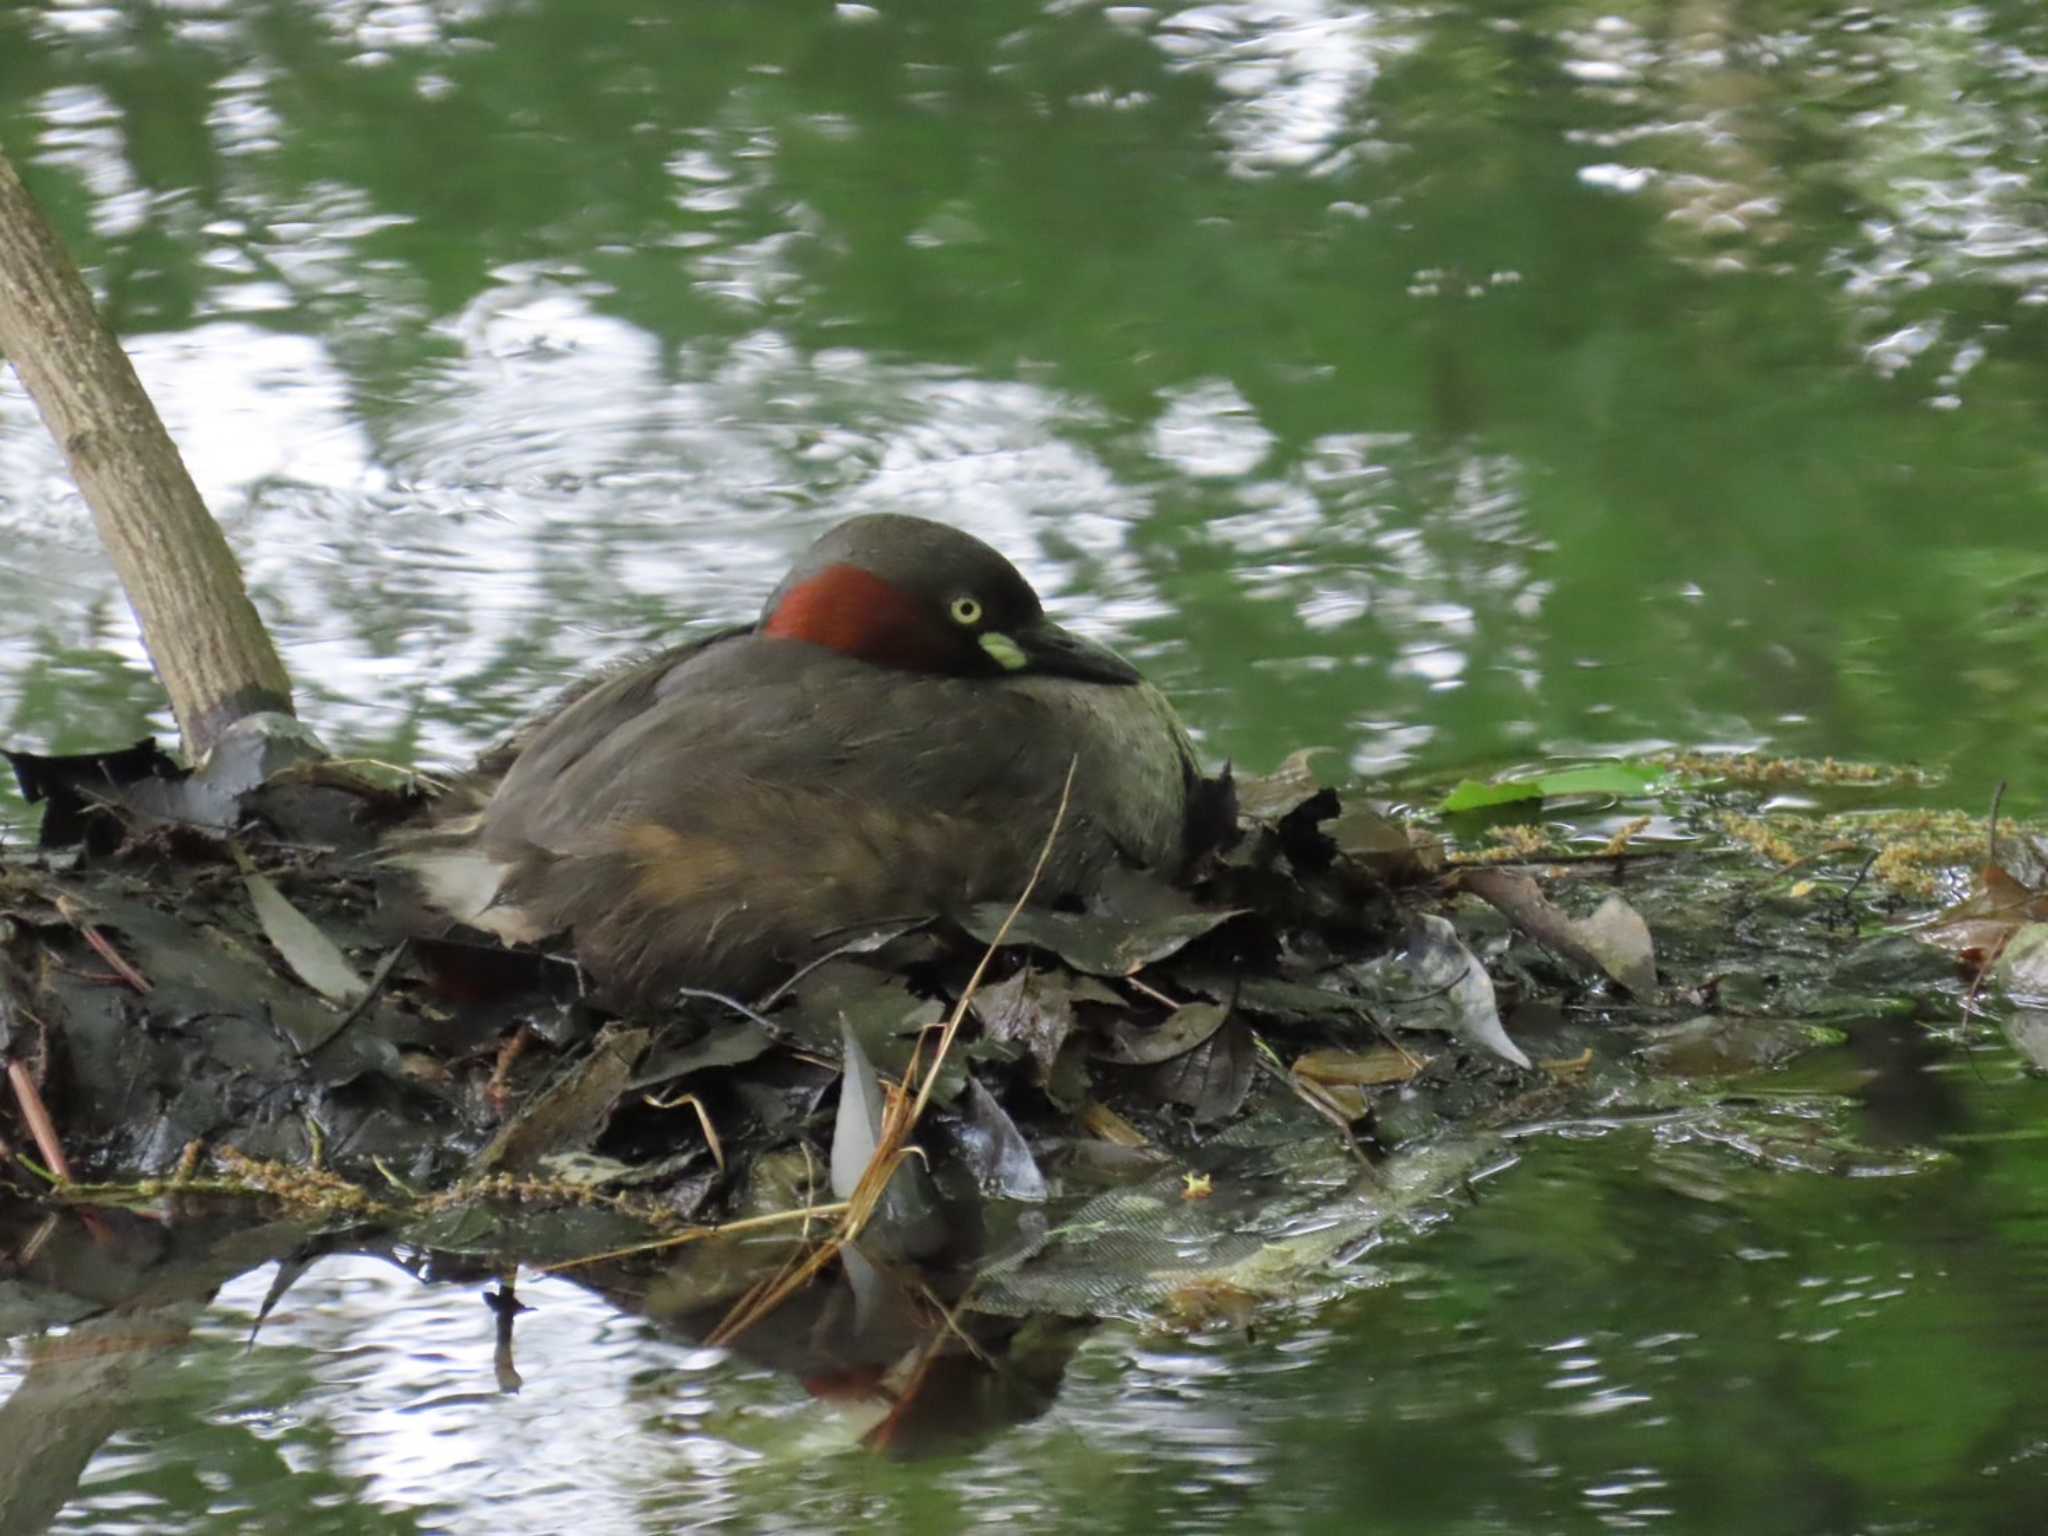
column 1614, row 940
column 571, row 1112
column 1034, row 1009
column 1213, row 1078
column 1132, row 1044
column 1139, row 920
column 1977, row 928
column 1386, row 848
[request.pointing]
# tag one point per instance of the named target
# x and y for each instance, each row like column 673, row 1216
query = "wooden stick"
column 41, row 1128
column 203, row 635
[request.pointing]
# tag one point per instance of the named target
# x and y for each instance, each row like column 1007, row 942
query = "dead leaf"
column 1618, row 938
column 1034, row 1009
column 1139, row 920
column 2023, row 963
column 1213, row 1078
column 994, row 1150
column 313, row 957
column 1390, row 850
column 1367, row 1069
column 1270, row 796
column 1614, row 940
column 1978, row 927
column 906, row 1221
column 1135, row 1045
column 1439, row 963
column 1100, row 1121
column 571, row 1112
column 857, row 1131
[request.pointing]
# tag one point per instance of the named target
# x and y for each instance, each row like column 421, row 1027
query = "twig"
column 1150, row 991
column 1848, row 896
column 73, row 913
column 774, row 1029
column 36, row 1116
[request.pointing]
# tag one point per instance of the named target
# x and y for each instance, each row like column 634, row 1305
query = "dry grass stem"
column 696, row 1234
column 703, row 1119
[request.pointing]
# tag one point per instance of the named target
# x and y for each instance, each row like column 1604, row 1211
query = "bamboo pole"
column 203, row 635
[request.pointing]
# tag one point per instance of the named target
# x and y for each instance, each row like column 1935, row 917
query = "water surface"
column 1448, row 384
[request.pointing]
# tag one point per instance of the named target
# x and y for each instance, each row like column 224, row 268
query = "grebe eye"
column 966, row 610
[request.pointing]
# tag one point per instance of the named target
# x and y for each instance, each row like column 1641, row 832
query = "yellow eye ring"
column 965, row 610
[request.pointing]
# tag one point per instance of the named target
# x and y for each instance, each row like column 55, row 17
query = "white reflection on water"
column 614, row 1423
column 81, row 131
column 1209, row 429
column 1296, row 73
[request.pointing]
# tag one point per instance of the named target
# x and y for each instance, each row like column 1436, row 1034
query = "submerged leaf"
column 1716, row 1045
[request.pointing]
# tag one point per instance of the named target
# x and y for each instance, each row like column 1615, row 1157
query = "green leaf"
column 1624, row 779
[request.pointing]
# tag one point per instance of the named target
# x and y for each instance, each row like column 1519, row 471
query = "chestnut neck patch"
column 856, row 613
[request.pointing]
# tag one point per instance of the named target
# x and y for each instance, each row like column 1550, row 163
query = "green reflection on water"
column 1445, row 386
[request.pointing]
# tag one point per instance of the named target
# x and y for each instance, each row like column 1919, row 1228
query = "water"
column 1445, row 384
